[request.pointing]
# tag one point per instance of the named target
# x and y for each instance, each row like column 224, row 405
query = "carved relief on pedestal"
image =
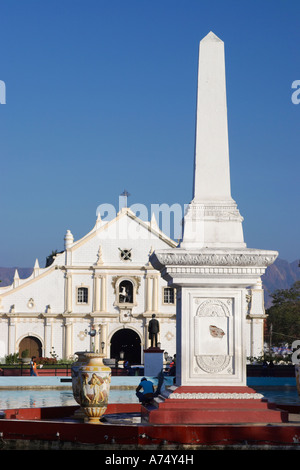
column 212, row 329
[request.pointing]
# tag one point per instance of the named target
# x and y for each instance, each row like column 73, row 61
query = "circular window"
column 125, row 254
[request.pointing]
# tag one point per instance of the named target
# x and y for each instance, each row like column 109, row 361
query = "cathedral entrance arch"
column 128, row 341
column 31, row 344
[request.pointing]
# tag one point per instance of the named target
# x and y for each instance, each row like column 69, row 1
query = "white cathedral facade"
column 103, row 283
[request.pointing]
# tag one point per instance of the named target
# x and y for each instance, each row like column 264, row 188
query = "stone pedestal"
column 153, row 361
column 212, row 302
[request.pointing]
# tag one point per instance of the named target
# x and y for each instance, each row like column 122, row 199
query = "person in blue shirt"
column 33, row 368
column 148, row 391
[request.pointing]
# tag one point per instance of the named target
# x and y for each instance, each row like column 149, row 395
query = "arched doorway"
column 129, row 342
column 32, row 345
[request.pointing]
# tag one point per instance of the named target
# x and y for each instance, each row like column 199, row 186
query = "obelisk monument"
column 212, row 174
column 212, row 270
column 212, row 219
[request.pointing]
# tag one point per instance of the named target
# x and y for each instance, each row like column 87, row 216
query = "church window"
column 125, row 254
column 169, row 295
column 82, row 295
column 126, row 292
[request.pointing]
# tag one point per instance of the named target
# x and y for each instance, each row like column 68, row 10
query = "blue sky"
column 101, row 96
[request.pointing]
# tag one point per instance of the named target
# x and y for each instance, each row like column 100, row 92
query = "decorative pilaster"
column 68, row 292
column 151, row 300
column 47, row 336
column 103, row 304
column 68, row 338
column 255, row 319
column 96, row 293
column 155, row 294
column 149, row 293
column 100, row 297
column 103, row 338
column 11, row 335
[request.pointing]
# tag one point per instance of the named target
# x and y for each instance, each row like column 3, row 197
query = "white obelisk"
column 212, row 176
column 214, row 273
column 212, row 219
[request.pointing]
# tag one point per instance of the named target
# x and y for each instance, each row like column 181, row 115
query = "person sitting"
column 148, row 391
column 127, row 367
column 172, row 369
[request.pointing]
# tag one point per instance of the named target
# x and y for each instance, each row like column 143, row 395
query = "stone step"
column 227, row 415
column 216, row 404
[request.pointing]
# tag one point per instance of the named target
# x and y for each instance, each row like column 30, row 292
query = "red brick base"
column 228, row 408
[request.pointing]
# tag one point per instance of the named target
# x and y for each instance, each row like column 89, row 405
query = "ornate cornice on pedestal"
column 227, row 258
column 221, row 210
column 252, row 316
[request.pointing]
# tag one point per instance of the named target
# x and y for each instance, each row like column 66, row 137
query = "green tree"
column 50, row 258
column 283, row 320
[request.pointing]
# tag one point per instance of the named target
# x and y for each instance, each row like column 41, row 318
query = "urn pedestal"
column 91, row 384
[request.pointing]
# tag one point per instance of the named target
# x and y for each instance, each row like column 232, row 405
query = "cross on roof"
column 124, row 195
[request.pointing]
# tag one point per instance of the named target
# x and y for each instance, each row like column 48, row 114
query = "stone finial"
column 36, row 268
column 99, row 256
column 16, row 279
column 99, row 222
column 69, row 240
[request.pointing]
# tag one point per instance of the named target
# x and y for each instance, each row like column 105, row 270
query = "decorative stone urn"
column 75, row 374
column 91, row 383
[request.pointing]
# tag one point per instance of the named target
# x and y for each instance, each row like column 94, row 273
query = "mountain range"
column 280, row 275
